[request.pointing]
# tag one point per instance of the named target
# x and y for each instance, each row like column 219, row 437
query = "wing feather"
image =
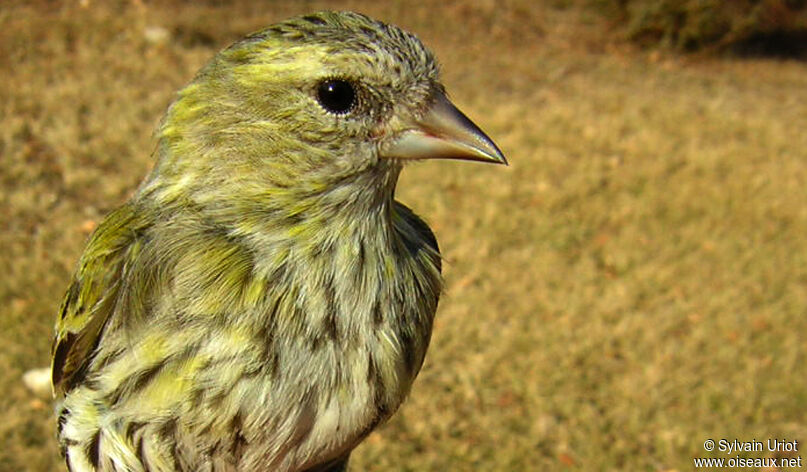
column 92, row 296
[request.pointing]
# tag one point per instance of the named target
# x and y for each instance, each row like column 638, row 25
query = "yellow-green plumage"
column 262, row 302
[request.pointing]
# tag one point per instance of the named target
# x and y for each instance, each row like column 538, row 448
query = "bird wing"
column 410, row 224
column 92, row 296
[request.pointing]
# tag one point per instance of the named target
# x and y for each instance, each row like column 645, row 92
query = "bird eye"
column 336, row 96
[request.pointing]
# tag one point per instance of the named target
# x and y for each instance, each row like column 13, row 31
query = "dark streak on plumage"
column 265, row 337
column 314, row 20
column 408, row 350
column 67, row 462
column 166, row 432
column 197, row 394
column 316, row 342
column 269, row 355
column 379, row 390
column 239, row 441
column 330, row 324
column 369, row 32
column 360, row 257
column 378, row 314
column 70, row 299
column 167, row 429
column 59, row 426
column 138, row 381
column 106, row 358
column 132, row 429
column 93, row 451
column 141, row 451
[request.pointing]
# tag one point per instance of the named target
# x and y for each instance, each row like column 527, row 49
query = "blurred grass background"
column 744, row 27
column 632, row 285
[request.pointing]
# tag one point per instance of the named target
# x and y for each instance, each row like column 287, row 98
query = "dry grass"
column 632, row 285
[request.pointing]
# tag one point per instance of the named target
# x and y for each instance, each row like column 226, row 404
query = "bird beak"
column 444, row 132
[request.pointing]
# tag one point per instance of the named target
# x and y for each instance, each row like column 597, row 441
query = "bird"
column 262, row 302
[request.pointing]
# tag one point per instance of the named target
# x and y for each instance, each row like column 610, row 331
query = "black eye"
column 336, row 96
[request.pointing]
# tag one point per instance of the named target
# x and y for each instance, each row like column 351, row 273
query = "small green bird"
column 262, row 302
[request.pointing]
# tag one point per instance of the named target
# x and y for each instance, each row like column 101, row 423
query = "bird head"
column 307, row 105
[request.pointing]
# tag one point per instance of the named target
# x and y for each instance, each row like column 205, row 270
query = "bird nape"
column 263, row 302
